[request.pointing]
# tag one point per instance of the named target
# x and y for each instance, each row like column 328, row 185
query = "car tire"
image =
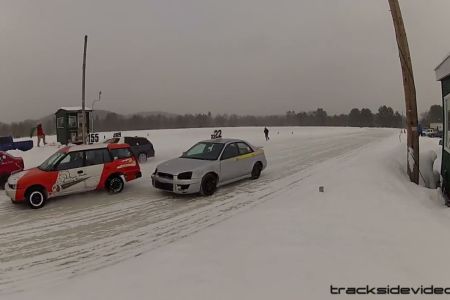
column 115, row 184
column 208, row 185
column 256, row 171
column 36, row 197
column 142, row 157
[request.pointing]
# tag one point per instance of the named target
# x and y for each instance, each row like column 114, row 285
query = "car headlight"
column 185, row 175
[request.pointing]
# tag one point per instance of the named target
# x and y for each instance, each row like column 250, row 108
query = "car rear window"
column 244, row 148
column 143, row 141
column 130, row 141
column 97, row 157
column 121, row 153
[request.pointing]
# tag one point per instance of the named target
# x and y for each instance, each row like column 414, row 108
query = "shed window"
column 72, row 122
column 60, row 122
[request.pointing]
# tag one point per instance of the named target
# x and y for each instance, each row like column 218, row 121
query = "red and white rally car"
column 73, row 170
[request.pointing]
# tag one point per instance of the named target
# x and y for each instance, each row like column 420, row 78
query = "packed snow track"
column 77, row 234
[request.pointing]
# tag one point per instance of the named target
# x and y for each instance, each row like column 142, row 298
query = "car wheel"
column 256, row 171
column 36, row 198
column 142, row 157
column 209, row 184
column 115, row 185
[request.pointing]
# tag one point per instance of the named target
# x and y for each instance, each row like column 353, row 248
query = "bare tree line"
column 385, row 117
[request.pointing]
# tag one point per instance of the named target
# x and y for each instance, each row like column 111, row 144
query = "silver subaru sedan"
column 208, row 165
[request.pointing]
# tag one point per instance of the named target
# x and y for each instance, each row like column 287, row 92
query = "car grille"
column 164, row 186
column 183, row 187
column 165, row 175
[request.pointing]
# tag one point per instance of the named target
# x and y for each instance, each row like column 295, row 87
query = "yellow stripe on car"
column 249, row 155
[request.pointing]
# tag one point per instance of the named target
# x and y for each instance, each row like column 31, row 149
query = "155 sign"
column 93, row 138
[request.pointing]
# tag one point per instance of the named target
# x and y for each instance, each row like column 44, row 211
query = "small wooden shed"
column 69, row 124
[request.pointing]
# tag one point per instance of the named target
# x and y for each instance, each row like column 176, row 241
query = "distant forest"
column 109, row 121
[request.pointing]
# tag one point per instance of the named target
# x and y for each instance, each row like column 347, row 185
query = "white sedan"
column 209, row 164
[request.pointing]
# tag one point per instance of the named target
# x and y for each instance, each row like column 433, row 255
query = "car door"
column 71, row 174
column 245, row 158
column 229, row 164
column 94, row 165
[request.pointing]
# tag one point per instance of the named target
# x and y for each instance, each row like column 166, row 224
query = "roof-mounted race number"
column 217, row 134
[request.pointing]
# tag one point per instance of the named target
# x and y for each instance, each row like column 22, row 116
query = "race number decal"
column 93, row 138
column 217, row 134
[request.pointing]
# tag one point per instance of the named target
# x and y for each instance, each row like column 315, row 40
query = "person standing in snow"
column 266, row 133
column 40, row 135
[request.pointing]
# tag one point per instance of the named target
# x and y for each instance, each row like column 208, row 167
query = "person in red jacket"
column 40, row 134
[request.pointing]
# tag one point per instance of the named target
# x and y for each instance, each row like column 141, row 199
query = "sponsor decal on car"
column 129, row 162
column 65, row 181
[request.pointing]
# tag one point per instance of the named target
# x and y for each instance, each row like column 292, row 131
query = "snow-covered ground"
column 289, row 241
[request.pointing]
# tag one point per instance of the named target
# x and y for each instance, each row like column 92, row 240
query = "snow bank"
column 429, row 168
column 427, row 176
column 370, row 226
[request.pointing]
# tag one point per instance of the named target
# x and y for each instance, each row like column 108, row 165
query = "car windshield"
column 50, row 162
column 204, row 151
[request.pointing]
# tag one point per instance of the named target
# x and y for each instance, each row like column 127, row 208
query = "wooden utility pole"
column 83, row 92
column 410, row 92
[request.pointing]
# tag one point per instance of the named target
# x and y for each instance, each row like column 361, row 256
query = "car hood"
column 35, row 172
column 179, row 165
column 14, row 178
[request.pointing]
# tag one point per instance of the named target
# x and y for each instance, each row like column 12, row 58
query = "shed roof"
column 443, row 69
column 75, row 108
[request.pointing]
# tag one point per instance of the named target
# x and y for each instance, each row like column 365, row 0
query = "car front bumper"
column 11, row 193
column 177, row 186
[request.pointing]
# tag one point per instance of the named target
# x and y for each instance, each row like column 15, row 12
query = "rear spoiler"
column 256, row 148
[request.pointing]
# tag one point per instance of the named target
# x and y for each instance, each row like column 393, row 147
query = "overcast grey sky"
column 228, row 56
